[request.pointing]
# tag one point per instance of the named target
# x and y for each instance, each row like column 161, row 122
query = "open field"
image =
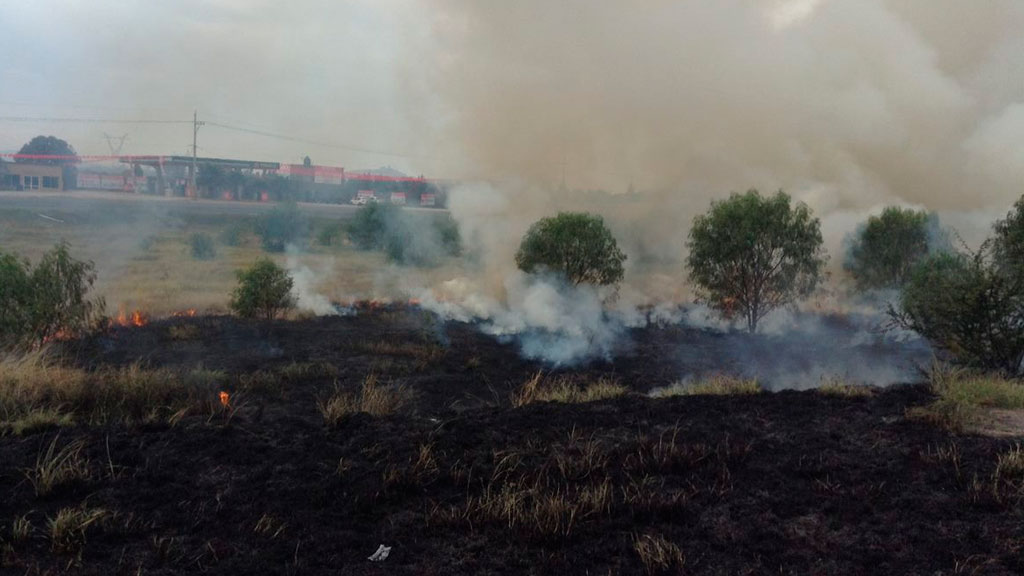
column 390, row 427
column 139, row 245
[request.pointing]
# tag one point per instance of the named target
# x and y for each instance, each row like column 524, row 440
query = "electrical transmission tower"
column 115, row 150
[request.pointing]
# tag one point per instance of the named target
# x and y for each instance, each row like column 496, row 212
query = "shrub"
column 404, row 237
column 750, row 254
column 368, row 228
column 283, row 225
column 965, row 305
column 234, row 234
column 201, row 246
column 885, row 250
column 1008, row 243
column 264, row 291
column 329, row 234
column 37, row 304
column 577, row 245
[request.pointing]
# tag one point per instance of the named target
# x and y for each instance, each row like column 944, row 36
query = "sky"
column 850, row 104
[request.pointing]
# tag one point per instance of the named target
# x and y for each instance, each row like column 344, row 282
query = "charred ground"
column 460, row 482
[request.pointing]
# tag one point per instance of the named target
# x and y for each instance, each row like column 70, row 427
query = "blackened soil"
column 462, row 483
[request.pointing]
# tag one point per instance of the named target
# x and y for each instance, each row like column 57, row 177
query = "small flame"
column 136, row 318
column 225, row 399
column 190, row 313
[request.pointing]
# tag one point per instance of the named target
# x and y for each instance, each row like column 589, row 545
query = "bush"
column 283, row 225
column 750, row 254
column 404, row 237
column 368, row 228
column 37, row 304
column 966, row 305
column 577, row 245
column 1008, row 244
column 886, row 249
column 264, row 291
column 201, row 246
column 234, row 234
column 329, row 234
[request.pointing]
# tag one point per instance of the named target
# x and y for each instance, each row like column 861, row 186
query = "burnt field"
column 461, row 475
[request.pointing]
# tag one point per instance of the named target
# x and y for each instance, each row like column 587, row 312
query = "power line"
column 90, row 120
column 312, row 142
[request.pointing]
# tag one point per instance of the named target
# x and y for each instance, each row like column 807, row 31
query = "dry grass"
column 716, row 385
column 55, row 467
column 1010, row 466
column 183, row 332
column 424, row 355
column 963, row 395
column 836, row 386
column 566, row 390
column 37, row 392
column 373, row 398
column 658, row 555
column 21, row 529
column 69, row 527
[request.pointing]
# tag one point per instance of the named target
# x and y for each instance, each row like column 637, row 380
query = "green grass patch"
column 963, row 395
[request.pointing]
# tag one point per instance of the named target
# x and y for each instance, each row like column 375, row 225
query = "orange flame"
column 136, row 318
column 190, row 313
column 225, row 399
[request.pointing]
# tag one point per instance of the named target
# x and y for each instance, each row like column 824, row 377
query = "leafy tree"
column 60, row 284
column 201, row 246
column 264, row 291
column 39, row 303
column 283, row 225
column 15, row 299
column 48, row 146
column 753, row 254
column 368, row 228
column 1008, row 244
column 967, row 306
column 210, row 178
column 886, row 249
column 575, row 244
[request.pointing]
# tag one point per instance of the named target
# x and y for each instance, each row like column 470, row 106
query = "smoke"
column 305, row 282
column 849, row 104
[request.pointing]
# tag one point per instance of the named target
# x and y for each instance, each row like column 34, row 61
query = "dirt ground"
column 461, row 482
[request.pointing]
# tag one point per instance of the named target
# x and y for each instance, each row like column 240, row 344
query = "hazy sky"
column 849, row 103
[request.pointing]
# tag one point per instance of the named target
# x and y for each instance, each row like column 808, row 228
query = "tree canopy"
column 884, row 251
column 575, row 244
column 750, row 254
column 48, row 146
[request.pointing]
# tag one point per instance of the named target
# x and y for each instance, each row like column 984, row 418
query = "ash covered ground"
column 792, row 482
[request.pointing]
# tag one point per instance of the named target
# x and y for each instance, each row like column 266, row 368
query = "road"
column 73, row 201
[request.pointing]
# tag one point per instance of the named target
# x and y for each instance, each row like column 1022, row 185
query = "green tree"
column 15, row 300
column 283, row 225
column 48, row 146
column 884, row 251
column 368, row 229
column 1008, row 244
column 967, row 306
column 575, row 244
column 263, row 291
column 751, row 255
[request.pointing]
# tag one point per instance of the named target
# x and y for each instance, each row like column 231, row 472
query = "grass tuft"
column 836, row 386
column 658, row 555
column 69, row 527
column 716, row 385
column 56, row 468
column 964, row 394
column 566, row 390
column 372, row 398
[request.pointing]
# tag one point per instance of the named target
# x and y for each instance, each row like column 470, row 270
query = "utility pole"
column 195, row 132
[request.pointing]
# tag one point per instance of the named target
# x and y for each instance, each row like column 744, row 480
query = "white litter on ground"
column 381, row 554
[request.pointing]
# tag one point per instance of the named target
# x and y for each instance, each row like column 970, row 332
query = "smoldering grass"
column 715, row 385
column 566, row 390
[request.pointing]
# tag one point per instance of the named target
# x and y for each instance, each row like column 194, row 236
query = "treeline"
column 214, row 181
